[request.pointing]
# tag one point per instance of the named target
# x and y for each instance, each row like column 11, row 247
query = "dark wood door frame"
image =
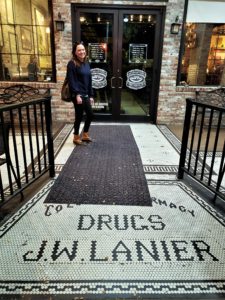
column 159, row 11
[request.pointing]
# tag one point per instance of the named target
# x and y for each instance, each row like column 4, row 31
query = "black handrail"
column 210, row 120
column 26, row 159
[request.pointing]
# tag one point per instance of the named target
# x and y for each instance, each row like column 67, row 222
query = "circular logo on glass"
column 98, row 78
column 136, row 79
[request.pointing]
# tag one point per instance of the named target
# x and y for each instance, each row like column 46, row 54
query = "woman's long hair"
column 77, row 61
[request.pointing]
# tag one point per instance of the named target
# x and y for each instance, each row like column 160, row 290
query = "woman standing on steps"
column 80, row 83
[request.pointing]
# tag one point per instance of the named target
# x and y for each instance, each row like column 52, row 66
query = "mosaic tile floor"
column 175, row 248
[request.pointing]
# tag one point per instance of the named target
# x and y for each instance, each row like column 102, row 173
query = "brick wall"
column 171, row 103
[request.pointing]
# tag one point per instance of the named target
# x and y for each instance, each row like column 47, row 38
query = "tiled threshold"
column 173, row 250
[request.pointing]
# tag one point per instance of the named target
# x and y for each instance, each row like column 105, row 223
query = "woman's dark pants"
column 79, row 112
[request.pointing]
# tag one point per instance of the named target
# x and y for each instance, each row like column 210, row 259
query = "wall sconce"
column 59, row 24
column 175, row 27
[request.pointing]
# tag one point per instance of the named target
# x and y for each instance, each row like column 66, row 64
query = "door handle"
column 112, row 86
column 121, row 83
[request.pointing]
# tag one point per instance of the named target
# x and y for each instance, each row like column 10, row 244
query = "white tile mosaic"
column 176, row 246
column 153, row 146
column 65, row 152
column 178, row 239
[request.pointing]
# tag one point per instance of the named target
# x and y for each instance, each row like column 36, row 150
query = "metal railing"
column 26, row 144
column 203, row 146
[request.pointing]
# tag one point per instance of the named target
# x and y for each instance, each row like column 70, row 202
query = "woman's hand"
column 79, row 99
column 92, row 101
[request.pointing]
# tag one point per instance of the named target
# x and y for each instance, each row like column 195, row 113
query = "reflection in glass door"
column 97, row 34
column 138, row 35
column 121, row 51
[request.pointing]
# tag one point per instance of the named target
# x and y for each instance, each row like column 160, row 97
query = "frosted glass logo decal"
column 136, row 79
column 98, row 78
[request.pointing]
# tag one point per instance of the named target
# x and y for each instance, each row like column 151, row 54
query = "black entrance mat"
column 107, row 171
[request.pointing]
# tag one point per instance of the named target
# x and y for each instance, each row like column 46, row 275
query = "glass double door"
column 123, row 54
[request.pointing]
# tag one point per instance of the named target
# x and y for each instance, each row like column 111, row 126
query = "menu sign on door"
column 138, row 53
column 97, row 52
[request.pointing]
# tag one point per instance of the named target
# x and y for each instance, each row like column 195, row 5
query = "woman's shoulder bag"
column 65, row 91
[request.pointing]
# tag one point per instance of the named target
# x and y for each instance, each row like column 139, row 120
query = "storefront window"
column 25, row 43
column 203, row 60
